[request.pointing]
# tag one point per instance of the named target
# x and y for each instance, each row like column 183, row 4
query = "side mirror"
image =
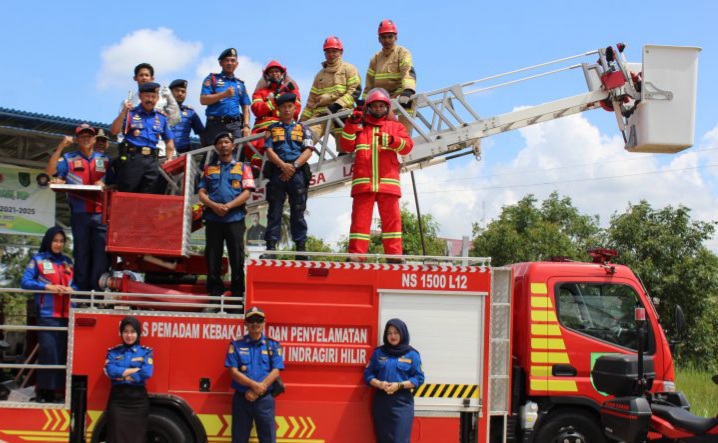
column 680, row 321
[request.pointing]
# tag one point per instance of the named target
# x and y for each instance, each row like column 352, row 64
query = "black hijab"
column 46, row 245
column 132, row 321
column 403, row 346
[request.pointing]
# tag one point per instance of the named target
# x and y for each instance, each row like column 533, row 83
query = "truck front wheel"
column 165, row 427
column 570, row 427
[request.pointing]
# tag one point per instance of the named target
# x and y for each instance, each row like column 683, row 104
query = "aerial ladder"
column 653, row 102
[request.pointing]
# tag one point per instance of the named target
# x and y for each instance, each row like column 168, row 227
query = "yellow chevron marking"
column 313, row 427
column 66, row 416
column 57, row 419
column 94, row 416
column 539, row 288
column 295, row 427
column 555, row 344
column 545, row 330
column 541, row 302
column 212, row 424
column 540, row 315
column 304, row 427
column 540, row 371
column 282, row 426
column 554, row 385
column 49, row 419
column 549, row 357
column 228, row 430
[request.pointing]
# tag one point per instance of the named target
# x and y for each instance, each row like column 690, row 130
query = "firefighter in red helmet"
column 274, row 81
column 336, row 86
column 377, row 141
column 393, row 69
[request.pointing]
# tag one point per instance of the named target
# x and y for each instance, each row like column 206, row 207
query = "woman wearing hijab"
column 50, row 273
column 128, row 366
column 394, row 369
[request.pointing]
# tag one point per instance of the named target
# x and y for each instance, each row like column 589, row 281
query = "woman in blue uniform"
column 128, row 366
column 394, row 369
column 50, row 273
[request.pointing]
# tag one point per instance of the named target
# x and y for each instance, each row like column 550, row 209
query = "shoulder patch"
column 211, row 170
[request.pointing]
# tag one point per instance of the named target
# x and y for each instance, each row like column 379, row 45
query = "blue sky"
column 75, row 59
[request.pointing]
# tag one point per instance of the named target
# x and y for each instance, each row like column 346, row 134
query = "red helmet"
column 377, row 95
column 274, row 64
column 386, row 27
column 333, row 42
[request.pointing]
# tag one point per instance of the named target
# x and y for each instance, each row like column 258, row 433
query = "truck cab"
column 566, row 315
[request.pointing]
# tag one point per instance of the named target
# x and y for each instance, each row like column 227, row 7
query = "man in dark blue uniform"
column 288, row 146
column 224, row 188
column 84, row 167
column 252, row 379
column 142, row 126
column 189, row 121
column 226, row 99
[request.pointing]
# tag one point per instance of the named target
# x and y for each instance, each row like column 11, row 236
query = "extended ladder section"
column 659, row 117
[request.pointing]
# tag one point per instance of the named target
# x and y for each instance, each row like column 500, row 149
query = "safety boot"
column 270, row 246
column 301, row 247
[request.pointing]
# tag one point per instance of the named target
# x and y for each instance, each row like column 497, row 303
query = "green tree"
column 411, row 240
column 666, row 249
column 315, row 244
column 15, row 253
column 528, row 232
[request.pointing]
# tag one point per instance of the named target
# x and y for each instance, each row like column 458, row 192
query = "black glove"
column 404, row 98
column 334, row 108
column 356, row 117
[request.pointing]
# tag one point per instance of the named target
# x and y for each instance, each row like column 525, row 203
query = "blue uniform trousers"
column 244, row 412
column 137, row 172
column 52, row 351
column 89, row 239
column 393, row 416
column 277, row 192
column 217, row 235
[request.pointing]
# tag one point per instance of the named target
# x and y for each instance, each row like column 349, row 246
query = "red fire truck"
column 507, row 351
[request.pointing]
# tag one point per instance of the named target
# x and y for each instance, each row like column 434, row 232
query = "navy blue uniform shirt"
column 144, row 128
column 255, row 359
column 190, row 121
column 228, row 106
column 123, row 357
column 288, row 141
column 384, row 367
column 224, row 182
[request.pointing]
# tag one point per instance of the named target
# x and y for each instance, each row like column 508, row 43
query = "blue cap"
column 229, row 52
column 179, row 83
column 149, row 87
column 287, row 97
column 255, row 311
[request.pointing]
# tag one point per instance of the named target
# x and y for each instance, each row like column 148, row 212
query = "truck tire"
column 570, row 427
column 164, row 426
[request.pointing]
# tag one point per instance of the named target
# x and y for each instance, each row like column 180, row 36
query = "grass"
column 700, row 390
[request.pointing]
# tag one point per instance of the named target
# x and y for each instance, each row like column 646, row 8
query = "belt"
column 224, row 118
column 144, row 150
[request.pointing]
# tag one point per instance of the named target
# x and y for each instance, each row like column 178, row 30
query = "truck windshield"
column 602, row 311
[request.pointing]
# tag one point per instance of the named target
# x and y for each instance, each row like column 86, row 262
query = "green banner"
column 27, row 205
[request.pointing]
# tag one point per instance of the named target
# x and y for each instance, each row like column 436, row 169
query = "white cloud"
column 159, row 47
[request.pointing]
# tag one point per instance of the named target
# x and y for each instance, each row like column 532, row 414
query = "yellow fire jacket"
column 333, row 84
column 392, row 70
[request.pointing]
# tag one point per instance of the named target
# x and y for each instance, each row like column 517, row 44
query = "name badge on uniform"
column 235, row 184
column 119, row 357
column 138, row 359
column 47, row 267
column 99, row 165
column 405, row 360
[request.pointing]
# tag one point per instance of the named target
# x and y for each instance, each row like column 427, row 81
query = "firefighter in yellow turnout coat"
column 393, row 69
column 335, row 88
